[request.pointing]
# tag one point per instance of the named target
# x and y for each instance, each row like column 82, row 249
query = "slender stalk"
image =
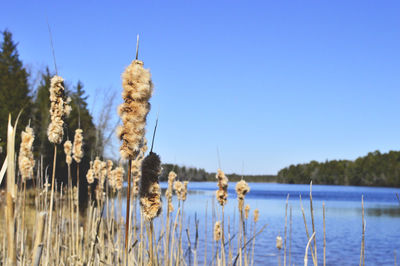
column 306, row 253
column 290, row 237
column 284, row 250
column 150, row 239
column 128, row 205
column 323, row 214
column 313, row 224
column 305, row 224
column 362, row 255
column 51, row 206
column 23, row 222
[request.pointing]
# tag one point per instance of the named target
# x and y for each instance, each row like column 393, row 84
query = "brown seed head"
column 279, row 242
column 25, row 157
column 150, row 192
column 138, row 87
column 90, row 174
column 246, row 211
column 256, row 215
column 222, row 192
column 59, row 108
column 78, row 144
column 217, row 231
column 67, row 151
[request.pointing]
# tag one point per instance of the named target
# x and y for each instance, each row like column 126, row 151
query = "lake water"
column 343, row 221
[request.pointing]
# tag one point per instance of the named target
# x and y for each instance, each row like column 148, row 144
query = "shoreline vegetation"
column 375, row 169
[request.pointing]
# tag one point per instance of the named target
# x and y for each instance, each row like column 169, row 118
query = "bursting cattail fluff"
column 97, row 168
column 67, row 151
column 242, row 188
column 138, row 87
column 78, row 143
column 168, row 192
column 25, row 157
column 103, row 174
column 256, row 215
column 222, row 192
column 136, row 173
column 109, row 169
column 279, row 242
column 217, row 231
column 246, row 211
column 150, row 192
column 90, row 174
column 184, row 190
column 59, row 109
column 118, row 173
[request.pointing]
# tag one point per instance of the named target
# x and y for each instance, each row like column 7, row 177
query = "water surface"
column 343, row 221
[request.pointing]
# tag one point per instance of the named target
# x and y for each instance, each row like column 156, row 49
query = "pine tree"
column 14, row 90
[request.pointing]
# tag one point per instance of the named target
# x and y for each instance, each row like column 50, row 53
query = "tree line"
column 374, row 169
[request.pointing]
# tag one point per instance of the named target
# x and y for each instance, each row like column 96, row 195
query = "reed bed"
column 45, row 225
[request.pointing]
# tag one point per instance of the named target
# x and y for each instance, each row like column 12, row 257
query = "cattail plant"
column 68, row 151
column 90, row 174
column 255, row 218
column 170, row 208
column 181, row 189
column 218, row 237
column 25, row 157
column 242, row 188
column 77, row 150
column 222, row 198
column 217, row 231
column 150, row 193
column 137, row 90
column 26, row 164
column 118, row 174
column 59, row 109
column 168, row 193
column 222, row 192
column 246, row 211
column 279, row 245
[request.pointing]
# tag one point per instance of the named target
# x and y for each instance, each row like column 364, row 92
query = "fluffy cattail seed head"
column 246, row 211
column 78, row 143
column 279, row 242
column 222, row 192
column 90, row 174
column 138, row 87
column 59, row 108
column 97, row 168
column 67, row 151
column 136, row 173
column 242, row 188
column 119, row 177
column 103, row 174
column 256, row 215
column 25, row 157
column 168, row 192
column 184, row 191
column 150, row 192
column 217, row 231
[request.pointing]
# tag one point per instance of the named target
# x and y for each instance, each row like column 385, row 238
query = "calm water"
column 343, row 221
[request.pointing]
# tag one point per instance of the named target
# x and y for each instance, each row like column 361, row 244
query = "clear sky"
column 271, row 83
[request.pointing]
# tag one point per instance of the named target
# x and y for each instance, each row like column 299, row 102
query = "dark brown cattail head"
column 150, row 192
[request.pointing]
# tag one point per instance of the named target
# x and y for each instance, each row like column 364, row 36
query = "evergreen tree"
column 14, row 90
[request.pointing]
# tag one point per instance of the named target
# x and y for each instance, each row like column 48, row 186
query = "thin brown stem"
column 128, row 205
column 51, row 205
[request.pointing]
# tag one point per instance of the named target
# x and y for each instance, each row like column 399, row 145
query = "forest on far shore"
column 374, row 169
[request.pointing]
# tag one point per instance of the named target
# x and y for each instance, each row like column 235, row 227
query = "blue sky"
column 270, row 83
